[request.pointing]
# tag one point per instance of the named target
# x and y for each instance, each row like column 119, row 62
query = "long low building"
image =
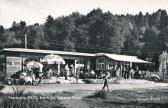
column 15, row 59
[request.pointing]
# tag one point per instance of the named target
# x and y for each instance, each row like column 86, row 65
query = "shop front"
column 16, row 59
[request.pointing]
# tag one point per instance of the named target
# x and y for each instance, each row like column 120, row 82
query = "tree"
column 154, row 19
column 163, row 20
column 10, row 39
column 22, row 25
column 150, row 39
column 140, row 21
column 69, row 39
column 94, row 14
column 35, row 37
column 163, row 40
column 2, row 30
column 49, row 21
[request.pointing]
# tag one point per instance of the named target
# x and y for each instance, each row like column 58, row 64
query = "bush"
column 1, row 86
column 29, row 100
column 99, row 94
column 87, row 81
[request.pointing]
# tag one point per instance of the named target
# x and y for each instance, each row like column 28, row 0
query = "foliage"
column 21, row 99
column 1, row 86
column 99, row 94
column 97, row 31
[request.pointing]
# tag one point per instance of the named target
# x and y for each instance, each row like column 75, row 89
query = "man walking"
column 105, row 83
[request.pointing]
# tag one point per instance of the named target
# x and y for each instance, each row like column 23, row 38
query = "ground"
column 120, row 95
column 89, row 88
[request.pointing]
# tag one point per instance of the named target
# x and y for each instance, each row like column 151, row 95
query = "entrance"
column 70, row 64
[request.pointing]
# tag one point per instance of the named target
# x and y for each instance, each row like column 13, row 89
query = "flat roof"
column 124, row 58
column 116, row 57
column 48, row 52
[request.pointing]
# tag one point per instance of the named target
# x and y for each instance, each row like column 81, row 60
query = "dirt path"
column 51, row 88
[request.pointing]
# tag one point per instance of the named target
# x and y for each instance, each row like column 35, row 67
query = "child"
column 105, row 83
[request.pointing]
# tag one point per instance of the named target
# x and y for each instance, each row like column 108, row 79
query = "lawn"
column 74, row 97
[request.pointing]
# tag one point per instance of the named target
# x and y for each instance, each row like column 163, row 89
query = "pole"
column 58, row 69
column 25, row 41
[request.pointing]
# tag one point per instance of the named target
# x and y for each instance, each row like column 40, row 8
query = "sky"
column 36, row 11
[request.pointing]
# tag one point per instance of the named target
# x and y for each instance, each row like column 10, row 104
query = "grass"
column 22, row 99
column 139, row 98
column 18, row 91
column 113, row 99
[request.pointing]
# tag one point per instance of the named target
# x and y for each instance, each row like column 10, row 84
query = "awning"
column 53, row 59
column 34, row 64
column 124, row 58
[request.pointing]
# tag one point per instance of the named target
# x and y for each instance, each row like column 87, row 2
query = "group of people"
column 27, row 76
column 126, row 72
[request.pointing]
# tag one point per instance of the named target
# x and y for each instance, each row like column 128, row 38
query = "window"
column 8, row 63
column 101, row 60
column 100, row 66
column 17, row 63
column 101, row 63
column 80, row 62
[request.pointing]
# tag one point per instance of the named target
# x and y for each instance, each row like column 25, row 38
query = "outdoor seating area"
column 32, row 66
column 33, row 71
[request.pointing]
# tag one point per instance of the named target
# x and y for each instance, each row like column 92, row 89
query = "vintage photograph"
column 83, row 53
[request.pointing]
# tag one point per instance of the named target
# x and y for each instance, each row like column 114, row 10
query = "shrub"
column 87, row 81
column 99, row 94
column 1, row 86
column 9, row 100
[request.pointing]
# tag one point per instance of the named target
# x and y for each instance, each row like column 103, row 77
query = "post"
column 131, row 64
column 25, row 41
column 59, row 69
column 75, row 68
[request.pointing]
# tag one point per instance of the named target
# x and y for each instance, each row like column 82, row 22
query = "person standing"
column 118, row 73
column 132, row 73
column 66, row 71
column 105, row 83
column 127, row 72
column 77, row 74
column 71, row 71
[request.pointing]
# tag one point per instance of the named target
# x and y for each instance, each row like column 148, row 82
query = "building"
column 15, row 59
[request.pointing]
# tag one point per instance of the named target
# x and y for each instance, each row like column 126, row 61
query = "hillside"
column 141, row 35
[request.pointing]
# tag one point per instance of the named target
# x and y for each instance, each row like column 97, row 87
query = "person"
column 92, row 74
column 77, row 75
column 71, row 71
column 66, row 71
column 137, row 73
column 127, row 72
column 49, row 73
column 105, row 83
column 132, row 73
column 118, row 73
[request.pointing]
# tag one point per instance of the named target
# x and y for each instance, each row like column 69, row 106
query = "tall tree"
column 163, row 24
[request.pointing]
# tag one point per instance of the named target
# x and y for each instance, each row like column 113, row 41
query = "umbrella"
column 53, row 59
column 34, row 64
